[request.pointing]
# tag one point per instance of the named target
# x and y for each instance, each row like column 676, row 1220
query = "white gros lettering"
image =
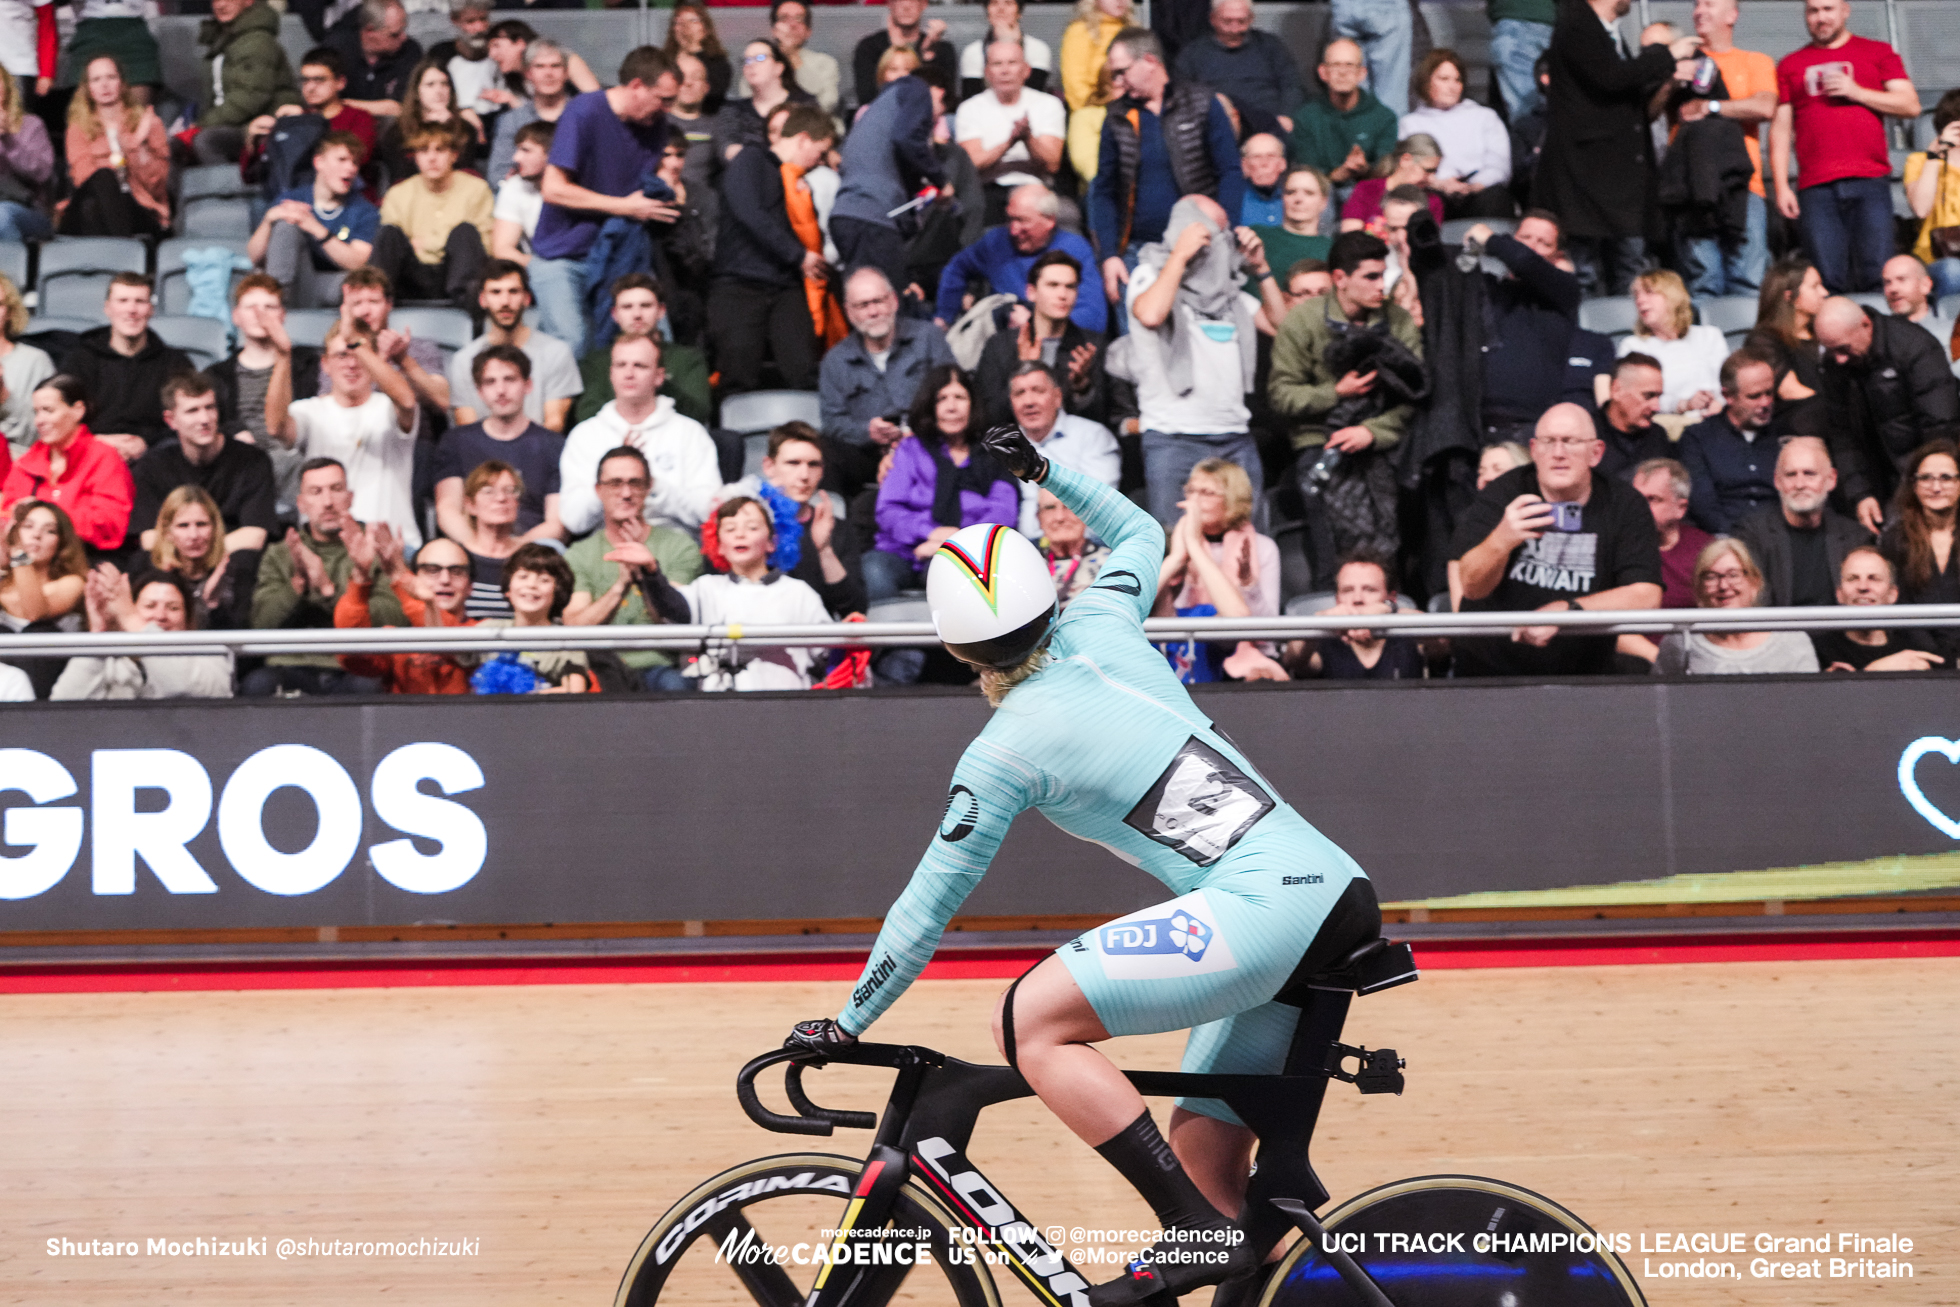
column 54, row 834
column 241, row 830
column 399, row 801
column 122, row 834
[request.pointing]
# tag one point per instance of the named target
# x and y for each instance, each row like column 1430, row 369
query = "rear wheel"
column 1529, row 1264
column 747, row 1236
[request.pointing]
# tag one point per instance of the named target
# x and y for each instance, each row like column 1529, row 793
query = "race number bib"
column 1201, row 806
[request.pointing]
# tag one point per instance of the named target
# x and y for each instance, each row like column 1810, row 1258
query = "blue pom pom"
column 789, row 531
column 504, row 674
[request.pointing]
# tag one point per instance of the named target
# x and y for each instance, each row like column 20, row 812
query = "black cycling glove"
column 1016, row 453
column 823, row 1037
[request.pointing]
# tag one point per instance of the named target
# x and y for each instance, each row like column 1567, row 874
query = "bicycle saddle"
column 1369, row 968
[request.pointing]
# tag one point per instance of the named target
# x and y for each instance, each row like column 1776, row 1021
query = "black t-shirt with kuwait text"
column 1616, row 545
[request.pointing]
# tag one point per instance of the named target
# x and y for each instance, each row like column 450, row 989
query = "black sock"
column 1147, row 1162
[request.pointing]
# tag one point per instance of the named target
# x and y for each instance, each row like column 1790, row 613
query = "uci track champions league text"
column 127, row 823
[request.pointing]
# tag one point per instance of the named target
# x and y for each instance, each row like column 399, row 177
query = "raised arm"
column 1129, row 575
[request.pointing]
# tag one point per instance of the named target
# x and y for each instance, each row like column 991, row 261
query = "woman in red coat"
column 68, row 466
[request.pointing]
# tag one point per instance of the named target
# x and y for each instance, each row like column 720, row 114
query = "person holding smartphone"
column 1552, row 537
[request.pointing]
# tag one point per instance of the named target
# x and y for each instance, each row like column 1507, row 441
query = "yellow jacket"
column 1082, row 57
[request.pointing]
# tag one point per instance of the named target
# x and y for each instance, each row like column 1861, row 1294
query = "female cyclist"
column 1093, row 728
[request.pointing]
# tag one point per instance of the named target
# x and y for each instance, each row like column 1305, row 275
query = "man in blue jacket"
column 888, row 162
column 1003, row 257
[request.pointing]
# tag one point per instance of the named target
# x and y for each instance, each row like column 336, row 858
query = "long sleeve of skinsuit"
column 993, row 784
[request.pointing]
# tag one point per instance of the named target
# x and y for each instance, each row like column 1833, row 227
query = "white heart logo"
column 1909, row 783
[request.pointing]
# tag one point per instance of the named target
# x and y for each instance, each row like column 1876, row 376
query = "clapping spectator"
column 435, row 591
column 1919, row 540
column 613, row 565
column 506, row 435
column 1730, row 454
column 685, row 468
column 159, row 603
column 1414, row 162
column 23, row 367
column 121, row 368
column 236, row 474
column 301, row 578
column 1690, row 354
column 69, row 468
column 938, row 480
column 1348, row 131
column 367, row 299
column 827, row 558
column 1074, row 558
column 1044, row 331
column 118, row 160
column 1932, row 178
column 1554, row 537
column 321, row 229
column 1013, row 133
column 245, row 74
column 1887, row 390
column 504, row 293
column 41, row 582
column 1865, row 580
column 26, row 164
column 366, row 424
column 1004, row 259
column 1253, row 67
column 1476, row 167
column 189, row 542
column 816, row 72
column 435, row 225
column 1217, row 565
column 1726, row 576
column 1361, row 589
column 1034, row 393
column 1003, row 24
column 546, row 69
column 1799, row 542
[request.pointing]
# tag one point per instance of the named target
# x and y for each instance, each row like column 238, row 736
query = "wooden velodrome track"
column 552, row 1124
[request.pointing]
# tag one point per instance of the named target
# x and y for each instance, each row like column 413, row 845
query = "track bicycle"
column 915, row 1221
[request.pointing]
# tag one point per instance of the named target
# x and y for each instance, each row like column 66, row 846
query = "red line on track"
column 976, row 964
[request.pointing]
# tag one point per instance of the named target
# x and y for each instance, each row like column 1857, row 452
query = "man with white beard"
column 1799, row 542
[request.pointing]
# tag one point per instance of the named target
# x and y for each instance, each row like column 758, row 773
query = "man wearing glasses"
column 432, row 591
column 1887, row 391
column 609, row 566
column 1348, row 131
column 1552, row 537
column 1183, row 124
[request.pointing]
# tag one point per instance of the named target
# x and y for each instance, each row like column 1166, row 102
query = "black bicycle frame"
column 936, row 1100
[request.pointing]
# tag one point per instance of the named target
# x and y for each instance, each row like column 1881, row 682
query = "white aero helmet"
column 991, row 593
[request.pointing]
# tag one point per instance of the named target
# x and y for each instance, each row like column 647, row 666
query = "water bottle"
column 1704, row 75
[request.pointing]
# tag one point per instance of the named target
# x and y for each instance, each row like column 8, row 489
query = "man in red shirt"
column 1832, row 97
column 322, row 81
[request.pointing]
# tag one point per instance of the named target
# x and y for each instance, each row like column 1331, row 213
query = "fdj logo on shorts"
column 1161, row 943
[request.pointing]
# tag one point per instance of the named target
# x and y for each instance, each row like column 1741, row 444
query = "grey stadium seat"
column 215, row 202
column 1455, row 228
column 173, row 288
column 206, row 340
column 1611, row 315
column 1729, row 313
column 449, row 328
column 75, row 272
column 309, row 326
column 13, row 262
column 759, row 412
column 903, row 607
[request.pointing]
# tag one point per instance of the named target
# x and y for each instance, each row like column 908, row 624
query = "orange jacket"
column 405, row 673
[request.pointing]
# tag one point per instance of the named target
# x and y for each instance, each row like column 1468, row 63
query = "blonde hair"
column 1668, row 285
column 1714, row 553
column 164, row 555
column 1231, row 479
column 10, row 105
column 81, row 109
column 1091, row 17
column 354, row 330
column 893, row 56
column 13, row 310
column 995, row 682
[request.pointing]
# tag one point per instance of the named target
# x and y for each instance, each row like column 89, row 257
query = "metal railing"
column 487, row 641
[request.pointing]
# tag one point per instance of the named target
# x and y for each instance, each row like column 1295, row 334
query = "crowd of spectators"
column 1182, row 261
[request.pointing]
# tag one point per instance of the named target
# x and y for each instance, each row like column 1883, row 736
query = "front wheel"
column 751, row 1235
column 1419, row 1241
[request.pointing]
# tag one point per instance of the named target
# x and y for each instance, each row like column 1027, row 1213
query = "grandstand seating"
column 173, row 289
column 755, row 414
column 206, row 340
column 74, row 273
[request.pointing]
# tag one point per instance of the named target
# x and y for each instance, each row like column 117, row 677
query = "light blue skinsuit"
column 1108, row 745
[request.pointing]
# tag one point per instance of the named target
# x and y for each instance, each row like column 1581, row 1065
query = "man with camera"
column 1552, row 537
column 1344, row 419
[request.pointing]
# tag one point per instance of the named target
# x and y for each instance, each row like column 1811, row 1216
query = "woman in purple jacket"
column 936, row 481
